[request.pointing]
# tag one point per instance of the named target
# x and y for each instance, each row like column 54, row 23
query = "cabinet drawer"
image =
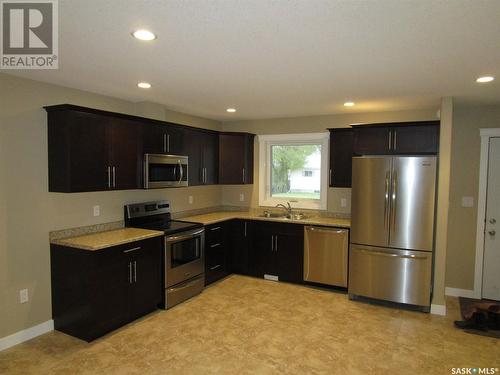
column 215, row 234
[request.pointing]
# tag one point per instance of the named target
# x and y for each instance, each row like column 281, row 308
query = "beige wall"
column 231, row 194
column 466, row 145
column 29, row 211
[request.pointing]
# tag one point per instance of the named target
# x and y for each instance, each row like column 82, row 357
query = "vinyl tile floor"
column 243, row 325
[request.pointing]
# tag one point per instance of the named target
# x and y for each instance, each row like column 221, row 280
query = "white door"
column 491, row 266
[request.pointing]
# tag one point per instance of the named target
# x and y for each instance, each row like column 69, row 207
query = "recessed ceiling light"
column 231, row 110
column 144, row 35
column 485, row 79
column 349, row 104
column 144, row 85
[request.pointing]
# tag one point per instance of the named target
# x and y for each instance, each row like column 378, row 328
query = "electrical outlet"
column 97, row 210
column 23, row 296
column 242, row 197
column 190, row 199
column 343, row 202
column 467, row 201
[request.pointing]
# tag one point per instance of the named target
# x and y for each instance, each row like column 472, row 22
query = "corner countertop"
column 217, row 217
column 102, row 240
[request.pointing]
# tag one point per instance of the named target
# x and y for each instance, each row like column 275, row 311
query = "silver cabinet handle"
column 129, row 272
column 215, row 245
column 168, row 142
column 245, row 228
column 109, row 177
column 133, row 249
column 243, row 175
column 390, row 139
column 276, row 241
column 330, row 177
column 272, row 242
column 215, row 228
column 114, row 176
column 492, row 232
column 135, row 271
column 164, row 142
column 215, row 267
column 395, row 145
column 392, row 255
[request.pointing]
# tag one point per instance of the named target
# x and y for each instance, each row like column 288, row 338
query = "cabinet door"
column 125, row 159
column 154, row 138
column 193, row 149
column 174, row 139
column 248, row 159
column 88, row 154
column 422, row 139
column 210, row 158
column 372, row 140
column 146, row 287
column 290, row 250
column 232, row 159
column 266, row 258
column 341, row 143
column 242, row 260
column 108, row 291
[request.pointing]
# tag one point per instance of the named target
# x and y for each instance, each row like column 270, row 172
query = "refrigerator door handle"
column 394, row 200
column 379, row 253
column 386, row 205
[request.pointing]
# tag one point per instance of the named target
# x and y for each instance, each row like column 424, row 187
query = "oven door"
column 184, row 256
column 162, row 171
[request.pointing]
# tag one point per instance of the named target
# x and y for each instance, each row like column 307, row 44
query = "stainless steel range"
column 184, row 262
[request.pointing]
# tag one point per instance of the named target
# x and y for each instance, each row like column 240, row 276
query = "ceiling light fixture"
column 485, row 79
column 144, row 85
column 231, row 110
column 348, row 104
column 144, row 35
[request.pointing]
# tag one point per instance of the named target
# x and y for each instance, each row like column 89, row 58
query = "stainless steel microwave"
column 161, row 171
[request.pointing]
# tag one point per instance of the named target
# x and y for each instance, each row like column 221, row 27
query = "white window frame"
column 265, row 143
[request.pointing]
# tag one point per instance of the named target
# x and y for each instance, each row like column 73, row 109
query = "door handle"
column 215, row 245
column 114, row 176
column 182, row 171
column 392, row 255
column 164, row 142
column 243, row 175
column 168, row 142
column 130, row 272
column 245, row 228
column 386, row 205
column 394, row 200
column 109, row 177
column 390, row 140
column 272, row 242
column 330, row 177
column 135, row 271
column 395, row 142
column 492, row 232
column 215, row 267
column 276, row 241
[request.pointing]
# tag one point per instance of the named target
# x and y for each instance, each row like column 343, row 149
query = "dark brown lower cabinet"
column 243, row 258
column 95, row 292
column 217, row 252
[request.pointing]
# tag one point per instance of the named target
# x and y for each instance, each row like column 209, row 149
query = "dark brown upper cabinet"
column 202, row 148
column 160, row 138
column 341, row 143
column 88, row 151
column 407, row 138
column 236, row 158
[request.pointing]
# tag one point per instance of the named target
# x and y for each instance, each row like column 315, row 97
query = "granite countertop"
column 216, row 217
column 101, row 240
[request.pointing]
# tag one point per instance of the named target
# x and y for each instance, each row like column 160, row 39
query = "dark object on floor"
column 481, row 317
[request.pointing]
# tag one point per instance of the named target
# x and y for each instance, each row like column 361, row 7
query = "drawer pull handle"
column 215, row 228
column 215, row 267
column 133, row 249
column 215, row 245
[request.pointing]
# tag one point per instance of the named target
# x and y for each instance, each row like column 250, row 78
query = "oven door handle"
column 185, row 236
column 182, row 171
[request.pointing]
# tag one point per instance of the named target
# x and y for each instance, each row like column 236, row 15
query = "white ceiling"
column 281, row 58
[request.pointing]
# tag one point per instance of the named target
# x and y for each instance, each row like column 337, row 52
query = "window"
column 293, row 168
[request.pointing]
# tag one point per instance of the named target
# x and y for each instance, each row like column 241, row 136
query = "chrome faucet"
column 287, row 208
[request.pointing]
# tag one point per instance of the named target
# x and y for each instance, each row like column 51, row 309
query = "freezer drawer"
column 325, row 255
column 393, row 275
column 183, row 291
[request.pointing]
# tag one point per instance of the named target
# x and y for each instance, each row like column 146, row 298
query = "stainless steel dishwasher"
column 325, row 255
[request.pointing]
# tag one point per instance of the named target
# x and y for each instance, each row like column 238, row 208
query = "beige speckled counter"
column 101, row 240
column 216, row 217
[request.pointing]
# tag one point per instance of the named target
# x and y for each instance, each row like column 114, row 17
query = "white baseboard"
column 438, row 309
column 25, row 335
column 455, row 292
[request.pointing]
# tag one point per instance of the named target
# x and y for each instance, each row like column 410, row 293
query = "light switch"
column 242, row 197
column 190, row 199
column 467, row 201
column 343, row 202
column 97, row 210
column 23, row 296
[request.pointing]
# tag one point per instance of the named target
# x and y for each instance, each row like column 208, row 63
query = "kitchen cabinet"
column 202, row 148
column 88, row 151
column 95, row 292
column 217, row 252
column 243, row 260
column 236, row 158
column 279, row 250
column 396, row 138
column 162, row 138
column 341, row 152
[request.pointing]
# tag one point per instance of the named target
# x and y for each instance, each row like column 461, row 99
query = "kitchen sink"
column 279, row 215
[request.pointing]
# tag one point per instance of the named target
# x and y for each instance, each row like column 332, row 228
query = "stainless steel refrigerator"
column 392, row 228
